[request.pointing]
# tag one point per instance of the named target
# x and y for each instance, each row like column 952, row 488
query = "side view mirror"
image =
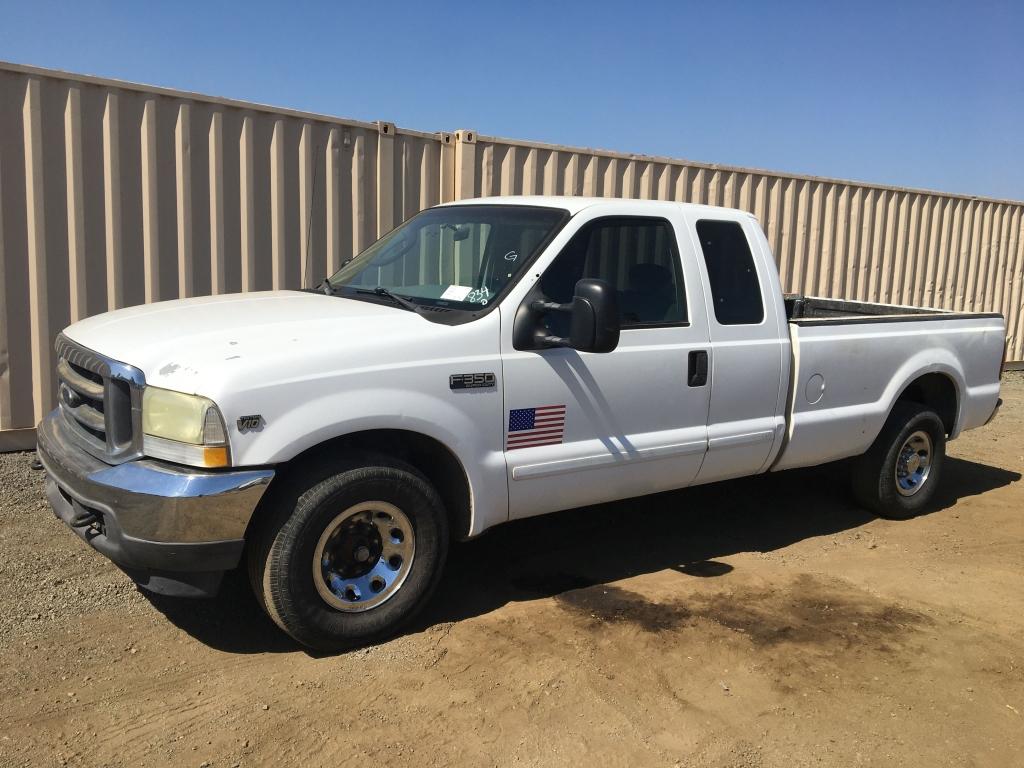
column 594, row 318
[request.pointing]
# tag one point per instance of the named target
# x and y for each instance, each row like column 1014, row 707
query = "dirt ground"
column 765, row 622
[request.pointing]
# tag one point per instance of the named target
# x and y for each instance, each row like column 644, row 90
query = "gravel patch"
column 47, row 574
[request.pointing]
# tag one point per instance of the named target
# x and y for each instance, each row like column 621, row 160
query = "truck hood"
column 202, row 345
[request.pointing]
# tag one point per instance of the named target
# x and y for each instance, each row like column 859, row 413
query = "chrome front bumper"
column 174, row 530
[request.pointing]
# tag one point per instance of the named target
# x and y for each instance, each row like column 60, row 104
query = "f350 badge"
column 471, row 380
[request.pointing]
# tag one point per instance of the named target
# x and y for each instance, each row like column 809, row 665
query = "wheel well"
column 938, row 392
column 431, row 457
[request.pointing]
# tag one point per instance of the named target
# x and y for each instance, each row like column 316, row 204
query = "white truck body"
column 317, row 367
column 737, row 380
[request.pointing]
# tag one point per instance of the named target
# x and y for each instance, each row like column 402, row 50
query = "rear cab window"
column 732, row 275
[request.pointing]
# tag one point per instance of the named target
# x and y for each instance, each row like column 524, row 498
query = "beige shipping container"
column 114, row 194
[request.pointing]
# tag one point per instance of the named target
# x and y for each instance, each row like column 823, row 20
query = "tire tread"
column 872, row 473
column 282, row 527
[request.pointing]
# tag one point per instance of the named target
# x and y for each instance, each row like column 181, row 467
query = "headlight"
column 187, row 429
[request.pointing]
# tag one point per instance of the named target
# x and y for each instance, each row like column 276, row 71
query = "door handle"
column 697, row 368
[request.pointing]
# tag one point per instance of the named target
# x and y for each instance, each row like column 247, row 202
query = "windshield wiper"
column 326, row 287
column 399, row 300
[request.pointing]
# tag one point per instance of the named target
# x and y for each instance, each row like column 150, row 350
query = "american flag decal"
column 530, row 427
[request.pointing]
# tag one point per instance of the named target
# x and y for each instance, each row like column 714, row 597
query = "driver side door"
column 582, row 427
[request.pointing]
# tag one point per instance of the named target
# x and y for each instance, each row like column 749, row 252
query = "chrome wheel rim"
column 914, row 463
column 364, row 556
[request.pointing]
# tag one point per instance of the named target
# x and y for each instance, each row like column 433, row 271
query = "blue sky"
column 916, row 94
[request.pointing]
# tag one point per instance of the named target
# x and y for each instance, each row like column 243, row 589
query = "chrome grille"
column 101, row 402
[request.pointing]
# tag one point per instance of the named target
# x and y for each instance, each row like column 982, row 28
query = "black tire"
column 282, row 549
column 875, row 483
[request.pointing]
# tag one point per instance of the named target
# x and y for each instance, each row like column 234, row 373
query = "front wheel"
column 898, row 475
column 350, row 554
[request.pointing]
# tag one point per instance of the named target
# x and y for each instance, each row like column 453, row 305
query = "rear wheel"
column 898, row 475
column 350, row 554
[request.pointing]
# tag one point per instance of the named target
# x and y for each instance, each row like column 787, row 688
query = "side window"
column 636, row 256
column 735, row 290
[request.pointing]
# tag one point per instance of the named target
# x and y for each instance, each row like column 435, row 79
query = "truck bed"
column 807, row 310
column 851, row 360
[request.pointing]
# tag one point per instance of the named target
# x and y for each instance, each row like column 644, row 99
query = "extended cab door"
column 588, row 427
column 750, row 344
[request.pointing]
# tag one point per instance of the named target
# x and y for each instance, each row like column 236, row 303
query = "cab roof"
column 576, row 204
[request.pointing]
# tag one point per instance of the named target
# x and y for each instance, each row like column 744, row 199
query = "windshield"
column 454, row 256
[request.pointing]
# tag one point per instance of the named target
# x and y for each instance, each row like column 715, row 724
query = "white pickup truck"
column 485, row 361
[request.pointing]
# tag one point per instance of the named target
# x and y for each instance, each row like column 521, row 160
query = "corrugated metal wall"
column 113, row 194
